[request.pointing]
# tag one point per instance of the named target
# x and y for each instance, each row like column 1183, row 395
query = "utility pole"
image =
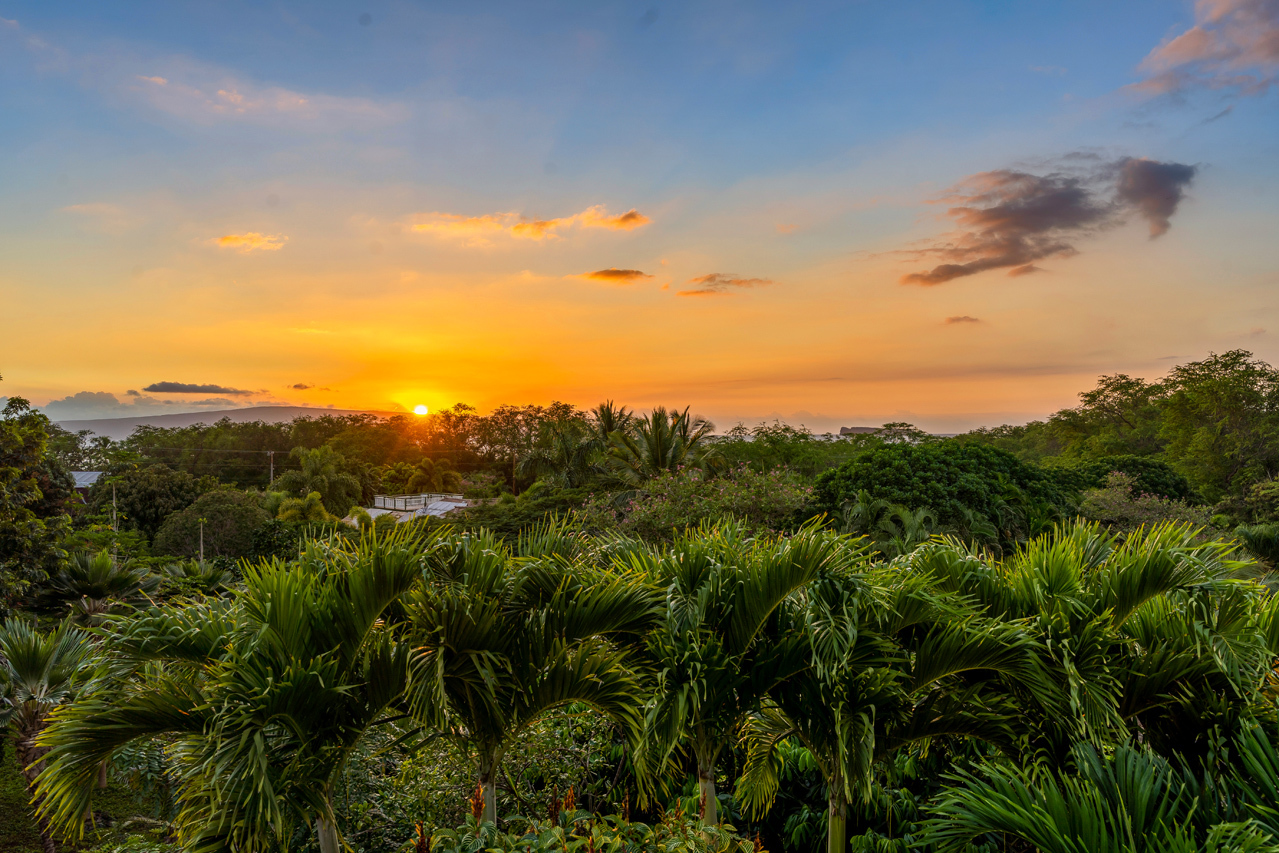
column 202, row 543
column 270, row 455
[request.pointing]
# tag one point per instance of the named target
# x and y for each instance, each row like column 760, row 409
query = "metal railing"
column 408, row 503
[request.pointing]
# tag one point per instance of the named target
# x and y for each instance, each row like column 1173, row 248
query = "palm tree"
column 664, row 441
column 715, row 647
column 38, row 672
column 1147, row 637
column 309, row 508
column 96, row 584
column 893, row 666
column 263, row 696
column 322, row 470
column 901, row 530
column 499, row 643
column 863, row 512
column 567, row 458
column 608, row 418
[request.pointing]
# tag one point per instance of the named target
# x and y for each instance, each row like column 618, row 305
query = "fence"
column 408, row 503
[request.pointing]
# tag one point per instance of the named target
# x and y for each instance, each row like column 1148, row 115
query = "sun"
column 419, row 409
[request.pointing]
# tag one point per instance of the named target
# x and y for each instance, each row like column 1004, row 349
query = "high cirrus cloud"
column 477, row 230
column 193, row 388
column 1012, row 220
column 722, row 284
column 1234, row 44
column 251, row 241
column 613, row 275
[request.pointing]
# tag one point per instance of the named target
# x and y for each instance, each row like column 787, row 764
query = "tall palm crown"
column 1147, row 637
column 717, row 646
column 502, row 640
column 663, row 441
column 264, row 696
column 322, row 470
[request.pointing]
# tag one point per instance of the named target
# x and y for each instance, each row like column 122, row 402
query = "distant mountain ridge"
column 119, row 428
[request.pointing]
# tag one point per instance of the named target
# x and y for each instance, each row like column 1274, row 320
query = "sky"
column 949, row 213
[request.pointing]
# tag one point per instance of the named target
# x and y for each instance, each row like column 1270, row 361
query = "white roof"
column 85, row 479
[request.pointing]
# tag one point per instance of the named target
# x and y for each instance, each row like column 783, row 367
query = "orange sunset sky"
column 953, row 214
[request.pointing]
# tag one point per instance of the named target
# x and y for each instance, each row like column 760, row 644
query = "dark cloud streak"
column 1011, row 219
column 192, row 388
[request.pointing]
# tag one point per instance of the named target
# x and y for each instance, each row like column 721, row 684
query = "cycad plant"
column 718, row 647
column 95, row 584
column 39, row 671
column 261, row 697
column 500, row 641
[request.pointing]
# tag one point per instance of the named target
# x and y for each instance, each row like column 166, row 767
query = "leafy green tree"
column 325, row 471
column 768, row 446
column 1122, row 415
column 568, row 458
column 1150, row 476
column 499, row 644
column 428, row 475
column 225, row 520
column 954, row 479
column 141, row 498
column 32, row 491
column 39, row 671
column 264, row 696
column 716, row 648
column 1221, row 422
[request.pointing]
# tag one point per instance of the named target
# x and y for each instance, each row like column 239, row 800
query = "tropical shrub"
column 1149, row 476
column 673, row 501
column 1121, row 505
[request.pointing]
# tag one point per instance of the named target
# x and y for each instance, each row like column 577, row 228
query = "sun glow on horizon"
column 419, row 409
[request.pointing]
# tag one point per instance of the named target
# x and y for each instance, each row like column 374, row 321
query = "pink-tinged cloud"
column 477, row 230
column 613, row 275
column 961, row 320
column 1234, row 44
column 722, row 284
column 251, row 241
column 1011, row 220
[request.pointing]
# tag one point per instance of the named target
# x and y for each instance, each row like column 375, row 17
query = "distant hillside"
column 118, row 428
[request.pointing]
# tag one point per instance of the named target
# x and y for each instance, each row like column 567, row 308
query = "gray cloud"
column 613, row 275
column 721, row 284
column 192, row 388
column 954, row 321
column 1153, row 189
column 301, row 386
column 86, row 405
column 1010, row 219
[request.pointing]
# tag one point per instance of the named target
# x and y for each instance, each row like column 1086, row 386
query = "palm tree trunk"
column 706, row 793
column 488, row 786
column 326, row 831
column 836, row 823
column 31, row 761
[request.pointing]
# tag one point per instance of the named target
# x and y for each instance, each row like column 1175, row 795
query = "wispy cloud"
column 301, row 386
column 1234, row 44
column 1011, row 220
column 251, row 241
column 477, row 230
column 722, row 284
column 960, row 320
column 194, row 388
column 613, row 275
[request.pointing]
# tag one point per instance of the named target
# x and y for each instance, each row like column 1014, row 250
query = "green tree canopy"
column 231, row 519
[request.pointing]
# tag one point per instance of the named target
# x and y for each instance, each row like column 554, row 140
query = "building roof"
column 85, row 479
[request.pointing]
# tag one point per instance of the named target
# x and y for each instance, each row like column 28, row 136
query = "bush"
column 1150, row 476
column 1119, row 504
column 674, row 500
column 232, row 520
column 954, row 479
column 508, row 515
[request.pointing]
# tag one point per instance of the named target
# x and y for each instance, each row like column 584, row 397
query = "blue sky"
column 787, row 157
